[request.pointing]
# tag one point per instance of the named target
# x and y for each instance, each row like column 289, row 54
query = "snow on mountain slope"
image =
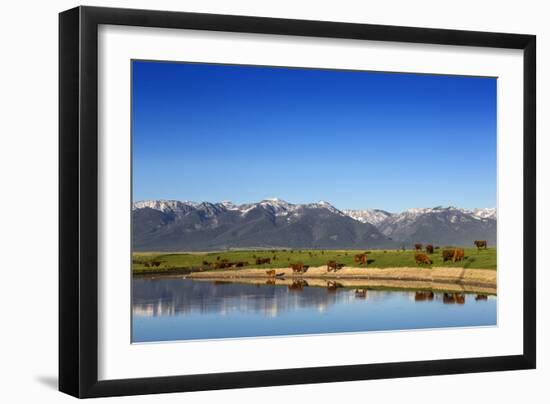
column 372, row 216
column 442, row 225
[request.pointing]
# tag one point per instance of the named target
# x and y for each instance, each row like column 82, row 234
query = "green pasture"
column 479, row 259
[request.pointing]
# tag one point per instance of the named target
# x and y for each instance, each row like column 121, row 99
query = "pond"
column 172, row 308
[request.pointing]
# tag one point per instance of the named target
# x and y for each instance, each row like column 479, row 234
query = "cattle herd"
column 421, row 257
column 225, row 264
column 452, row 254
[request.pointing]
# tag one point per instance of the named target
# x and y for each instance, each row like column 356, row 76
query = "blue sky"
column 355, row 139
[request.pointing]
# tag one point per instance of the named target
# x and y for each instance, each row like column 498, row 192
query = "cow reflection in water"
column 333, row 285
column 423, row 296
column 481, row 297
column 451, row 298
column 298, row 285
column 361, row 293
column 270, row 282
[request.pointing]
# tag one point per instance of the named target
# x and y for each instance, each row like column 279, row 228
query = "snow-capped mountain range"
column 187, row 225
column 283, row 208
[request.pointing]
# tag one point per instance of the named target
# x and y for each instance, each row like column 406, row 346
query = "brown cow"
column 418, row 247
column 481, row 297
column 430, row 249
column 271, row 273
column 422, row 259
column 261, row 261
column 458, row 254
column 361, row 259
column 332, row 266
column 480, row 244
column 447, row 255
column 298, row 267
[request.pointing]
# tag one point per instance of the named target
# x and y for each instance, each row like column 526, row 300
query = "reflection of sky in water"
column 177, row 309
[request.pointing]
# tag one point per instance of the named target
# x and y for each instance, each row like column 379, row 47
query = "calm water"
column 168, row 309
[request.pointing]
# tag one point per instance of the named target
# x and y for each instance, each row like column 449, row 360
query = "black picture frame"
column 78, row 201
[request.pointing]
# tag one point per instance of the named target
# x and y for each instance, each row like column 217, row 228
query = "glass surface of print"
column 273, row 201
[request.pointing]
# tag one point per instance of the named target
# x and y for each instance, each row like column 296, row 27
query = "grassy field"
column 142, row 262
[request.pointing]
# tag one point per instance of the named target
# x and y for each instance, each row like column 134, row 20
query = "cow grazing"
column 360, row 259
column 418, row 247
column 298, row 267
column 480, row 244
column 261, row 261
column 430, row 249
column 447, row 255
column 332, row 266
column 422, row 259
column 458, row 254
column 223, row 265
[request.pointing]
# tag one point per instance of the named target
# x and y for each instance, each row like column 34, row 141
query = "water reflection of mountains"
column 162, row 297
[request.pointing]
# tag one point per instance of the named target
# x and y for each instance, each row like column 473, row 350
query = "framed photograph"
column 250, row 201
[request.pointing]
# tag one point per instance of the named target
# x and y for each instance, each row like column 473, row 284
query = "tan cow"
column 361, row 259
column 458, row 254
column 422, row 259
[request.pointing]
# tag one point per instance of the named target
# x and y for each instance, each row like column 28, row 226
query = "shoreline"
column 369, row 284
column 436, row 278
